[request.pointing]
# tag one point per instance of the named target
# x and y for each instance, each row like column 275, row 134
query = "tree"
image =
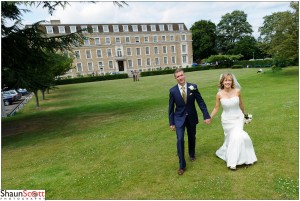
column 279, row 35
column 204, row 39
column 231, row 29
column 247, row 46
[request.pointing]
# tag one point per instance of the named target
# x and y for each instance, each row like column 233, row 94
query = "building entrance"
column 121, row 65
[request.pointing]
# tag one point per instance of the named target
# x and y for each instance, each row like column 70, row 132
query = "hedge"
column 171, row 71
column 90, row 79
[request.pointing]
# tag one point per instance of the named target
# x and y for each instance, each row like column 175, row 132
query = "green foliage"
column 171, row 71
column 255, row 63
column 204, row 39
column 90, row 79
column 111, row 140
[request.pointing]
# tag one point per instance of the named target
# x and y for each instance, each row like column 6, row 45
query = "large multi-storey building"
column 124, row 48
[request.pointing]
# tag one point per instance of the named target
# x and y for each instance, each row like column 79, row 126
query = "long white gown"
column 237, row 148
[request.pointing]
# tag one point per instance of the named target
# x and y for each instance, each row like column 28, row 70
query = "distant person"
column 237, row 148
column 183, row 114
column 260, row 71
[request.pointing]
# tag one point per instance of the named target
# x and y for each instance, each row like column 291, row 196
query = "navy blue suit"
column 185, row 116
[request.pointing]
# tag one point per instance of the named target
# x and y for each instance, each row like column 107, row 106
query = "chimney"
column 55, row 21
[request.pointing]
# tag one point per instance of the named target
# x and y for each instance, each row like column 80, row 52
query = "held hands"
column 172, row 128
column 207, row 121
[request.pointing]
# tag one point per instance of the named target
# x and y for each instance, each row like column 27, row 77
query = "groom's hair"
column 178, row 70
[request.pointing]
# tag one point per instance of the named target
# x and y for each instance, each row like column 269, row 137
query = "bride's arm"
column 217, row 106
column 241, row 102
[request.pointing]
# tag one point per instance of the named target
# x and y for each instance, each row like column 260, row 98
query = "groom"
column 183, row 95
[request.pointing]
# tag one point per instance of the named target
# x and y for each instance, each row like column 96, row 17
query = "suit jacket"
column 178, row 114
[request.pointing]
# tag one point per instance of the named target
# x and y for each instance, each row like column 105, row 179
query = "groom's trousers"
column 191, row 132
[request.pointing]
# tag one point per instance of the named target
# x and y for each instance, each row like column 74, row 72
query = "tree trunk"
column 43, row 94
column 36, row 98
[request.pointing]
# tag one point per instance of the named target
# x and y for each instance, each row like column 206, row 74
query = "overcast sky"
column 187, row 12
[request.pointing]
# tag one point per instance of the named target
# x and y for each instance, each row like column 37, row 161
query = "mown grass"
column 111, row 140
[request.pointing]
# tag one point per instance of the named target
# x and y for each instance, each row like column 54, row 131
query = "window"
column 147, row 50
column 138, row 51
column 137, row 39
column 90, row 66
column 61, row 29
column 183, row 48
column 184, row 59
column 148, row 62
column 146, row 39
column 87, row 41
column 84, row 27
column 134, row 28
column 180, row 26
column 125, row 28
column 139, row 62
column 163, row 38
column 109, row 52
column 155, row 50
column 97, row 41
column 153, row 27
column 161, row 27
column 170, row 27
column 172, row 38
column 118, row 40
column 88, row 54
column 127, row 39
column 183, row 37
column 130, row 63
column 173, row 59
column 73, row 29
column 128, row 51
column 105, row 28
column 156, row 61
column 49, row 29
column 165, row 60
column 173, row 49
column 110, row 64
column 79, row 67
column 144, row 27
column 95, row 28
column 100, row 64
column 155, row 39
column 99, row 53
column 164, row 49
column 116, row 28
column 119, row 52
column 107, row 40
column 77, row 54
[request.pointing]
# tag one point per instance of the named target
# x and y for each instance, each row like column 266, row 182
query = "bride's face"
column 227, row 82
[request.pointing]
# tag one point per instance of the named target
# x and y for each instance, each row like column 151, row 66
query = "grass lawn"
column 111, row 140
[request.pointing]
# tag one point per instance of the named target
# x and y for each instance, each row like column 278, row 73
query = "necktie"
column 183, row 94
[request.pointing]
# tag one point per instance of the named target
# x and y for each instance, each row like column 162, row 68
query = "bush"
column 171, row 71
column 90, row 79
column 237, row 66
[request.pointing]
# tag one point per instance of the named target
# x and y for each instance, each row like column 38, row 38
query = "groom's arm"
column 202, row 106
column 171, row 110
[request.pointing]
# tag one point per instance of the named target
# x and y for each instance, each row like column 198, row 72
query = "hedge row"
column 171, row 71
column 255, row 63
column 90, row 79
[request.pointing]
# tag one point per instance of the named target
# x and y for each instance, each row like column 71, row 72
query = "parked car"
column 17, row 94
column 23, row 91
column 7, row 99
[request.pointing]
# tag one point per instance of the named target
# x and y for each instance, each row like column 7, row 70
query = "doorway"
column 121, row 65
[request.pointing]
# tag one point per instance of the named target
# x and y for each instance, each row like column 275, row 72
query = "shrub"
column 90, row 79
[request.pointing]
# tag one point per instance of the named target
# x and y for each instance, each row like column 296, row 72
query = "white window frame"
column 99, row 53
column 73, row 29
column 61, row 29
column 172, row 38
column 105, row 28
column 163, row 38
column 155, row 39
column 146, row 39
column 84, row 27
column 79, row 67
column 148, row 61
column 165, row 49
column 162, row 27
column 184, row 59
column 109, row 52
column 170, row 27
column 153, row 27
column 90, row 66
column 139, row 62
column 88, row 54
column 147, row 50
column 183, row 48
column 138, row 51
column 130, row 52
column 130, row 64
column 173, row 59
column 97, row 40
column 110, row 64
column 144, row 28
column 86, row 41
column 107, row 40
column 127, row 39
column 137, row 39
column 173, row 49
column 180, row 27
column 77, row 54
column 135, row 28
column 118, row 40
column 157, row 63
column 49, row 29
column 165, row 60
column 100, row 64
column 156, row 50
column 95, row 28
column 116, row 28
column 183, row 37
column 125, row 28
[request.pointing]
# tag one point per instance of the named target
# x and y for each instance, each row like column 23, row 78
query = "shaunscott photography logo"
column 22, row 195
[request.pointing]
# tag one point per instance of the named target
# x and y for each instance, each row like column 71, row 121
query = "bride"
column 237, row 148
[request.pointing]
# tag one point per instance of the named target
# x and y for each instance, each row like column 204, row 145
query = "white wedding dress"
column 237, row 148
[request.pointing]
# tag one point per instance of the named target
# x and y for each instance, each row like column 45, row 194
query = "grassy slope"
column 111, row 140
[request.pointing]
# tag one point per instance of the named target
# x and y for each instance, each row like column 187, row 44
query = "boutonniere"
column 192, row 88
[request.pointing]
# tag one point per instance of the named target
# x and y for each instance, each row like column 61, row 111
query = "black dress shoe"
column 192, row 158
column 181, row 171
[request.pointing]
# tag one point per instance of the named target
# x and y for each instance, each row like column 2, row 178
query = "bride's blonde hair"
column 222, row 78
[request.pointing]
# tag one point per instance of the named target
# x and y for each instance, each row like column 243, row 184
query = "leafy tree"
column 224, row 60
column 232, row 28
column 279, row 35
column 204, row 39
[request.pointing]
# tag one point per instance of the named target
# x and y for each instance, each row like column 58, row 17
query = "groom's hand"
column 172, row 127
column 207, row 121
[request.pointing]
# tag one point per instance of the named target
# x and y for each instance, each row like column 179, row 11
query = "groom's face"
column 179, row 76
